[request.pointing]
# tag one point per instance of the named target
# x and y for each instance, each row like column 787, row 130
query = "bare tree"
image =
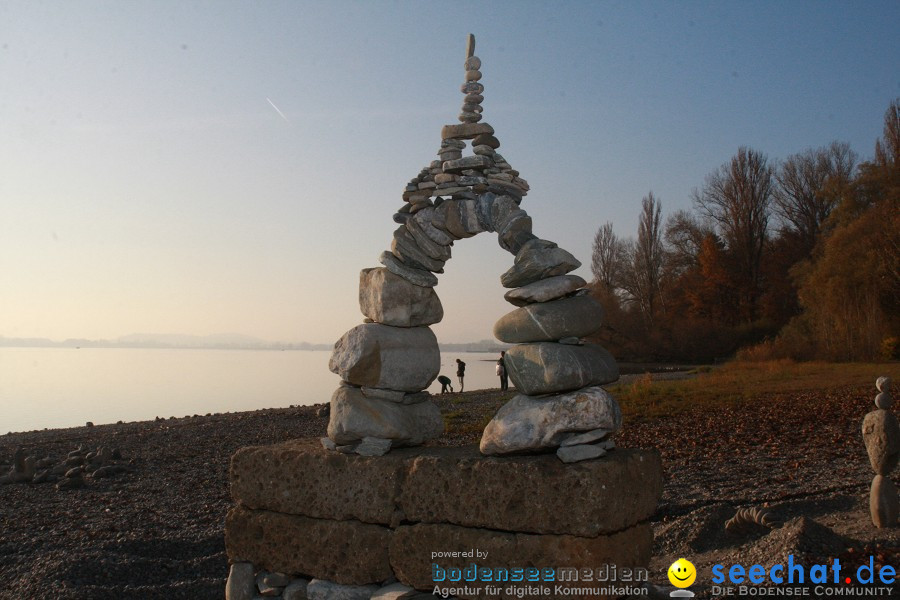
column 887, row 150
column 810, row 185
column 684, row 237
column 643, row 264
column 737, row 198
column 606, row 258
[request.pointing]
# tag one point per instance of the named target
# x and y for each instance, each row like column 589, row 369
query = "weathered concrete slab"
column 411, row 548
column 534, row 494
column 301, row 477
column 347, row 552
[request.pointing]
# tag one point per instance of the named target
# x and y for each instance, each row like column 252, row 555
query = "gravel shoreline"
column 157, row 531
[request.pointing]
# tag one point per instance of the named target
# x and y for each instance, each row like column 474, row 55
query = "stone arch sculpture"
column 386, row 363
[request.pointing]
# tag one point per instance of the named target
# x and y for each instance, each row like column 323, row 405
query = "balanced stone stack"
column 387, row 362
column 561, row 404
column 881, row 433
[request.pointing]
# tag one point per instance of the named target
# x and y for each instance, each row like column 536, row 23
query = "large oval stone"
column 545, row 290
column 538, row 259
column 355, row 416
column 380, row 356
column 547, row 368
column 526, row 424
column 884, row 504
column 550, row 321
column 881, row 433
column 391, row 300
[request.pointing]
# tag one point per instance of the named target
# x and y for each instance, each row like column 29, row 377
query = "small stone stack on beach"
column 561, row 404
column 881, row 433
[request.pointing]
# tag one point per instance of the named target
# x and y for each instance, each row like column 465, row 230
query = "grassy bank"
column 738, row 382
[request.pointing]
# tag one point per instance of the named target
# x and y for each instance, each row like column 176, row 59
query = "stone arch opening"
column 387, row 362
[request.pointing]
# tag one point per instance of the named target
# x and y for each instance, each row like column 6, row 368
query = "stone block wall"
column 356, row 520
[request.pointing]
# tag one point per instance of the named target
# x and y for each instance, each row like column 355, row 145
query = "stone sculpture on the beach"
column 387, row 362
column 881, row 433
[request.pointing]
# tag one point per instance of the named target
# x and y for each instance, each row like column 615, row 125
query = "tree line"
column 798, row 258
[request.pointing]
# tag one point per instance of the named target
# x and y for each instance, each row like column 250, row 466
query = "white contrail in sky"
column 278, row 110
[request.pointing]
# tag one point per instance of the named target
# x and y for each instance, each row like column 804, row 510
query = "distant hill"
column 223, row 341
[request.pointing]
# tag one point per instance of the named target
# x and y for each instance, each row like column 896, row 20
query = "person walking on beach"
column 445, row 383
column 501, row 372
column 460, row 373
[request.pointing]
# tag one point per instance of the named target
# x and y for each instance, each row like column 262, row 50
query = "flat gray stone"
column 572, row 454
column 395, row 395
column 241, row 584
column 395, row 591
column 547, row 368
column 426, row 244
column 526, row 424
column 536, row 260
column 588, row 437
column 320, row 589
column 268, row 585
column 474, row 161
column 461, row 218
column 413, row 275
column 389, row 299
column 424, row 219
column 471, row 87
column 881, row 434
column 296, row 590
column 380, row 356
column 372, row 446
column 404, row 247
column 355, row 417
column 545, row 290
column 550, row 321
column 465, row 131
column 485, row 139
column 515, row 234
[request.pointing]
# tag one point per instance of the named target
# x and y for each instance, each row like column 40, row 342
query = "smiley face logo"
column 682, row 573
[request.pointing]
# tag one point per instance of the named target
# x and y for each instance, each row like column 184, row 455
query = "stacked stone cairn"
column 386, row 363
column 67, row 473
column 561, row 405
column 365, row 523
column 881, row 433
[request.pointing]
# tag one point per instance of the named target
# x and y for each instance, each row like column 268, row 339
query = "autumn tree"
column 737, row 197
column 810, row 185
column 684, row 236
column 850, row 290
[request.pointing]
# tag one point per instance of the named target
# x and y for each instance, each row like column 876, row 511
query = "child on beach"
column 445, row 383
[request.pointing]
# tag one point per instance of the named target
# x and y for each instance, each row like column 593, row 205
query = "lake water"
column 66, row 387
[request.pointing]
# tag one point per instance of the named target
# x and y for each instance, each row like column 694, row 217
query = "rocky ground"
column 155, row 528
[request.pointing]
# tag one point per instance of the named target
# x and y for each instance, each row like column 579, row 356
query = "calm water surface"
column 66, row 387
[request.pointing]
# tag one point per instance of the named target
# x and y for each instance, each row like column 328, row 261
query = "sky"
column 230, row 167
